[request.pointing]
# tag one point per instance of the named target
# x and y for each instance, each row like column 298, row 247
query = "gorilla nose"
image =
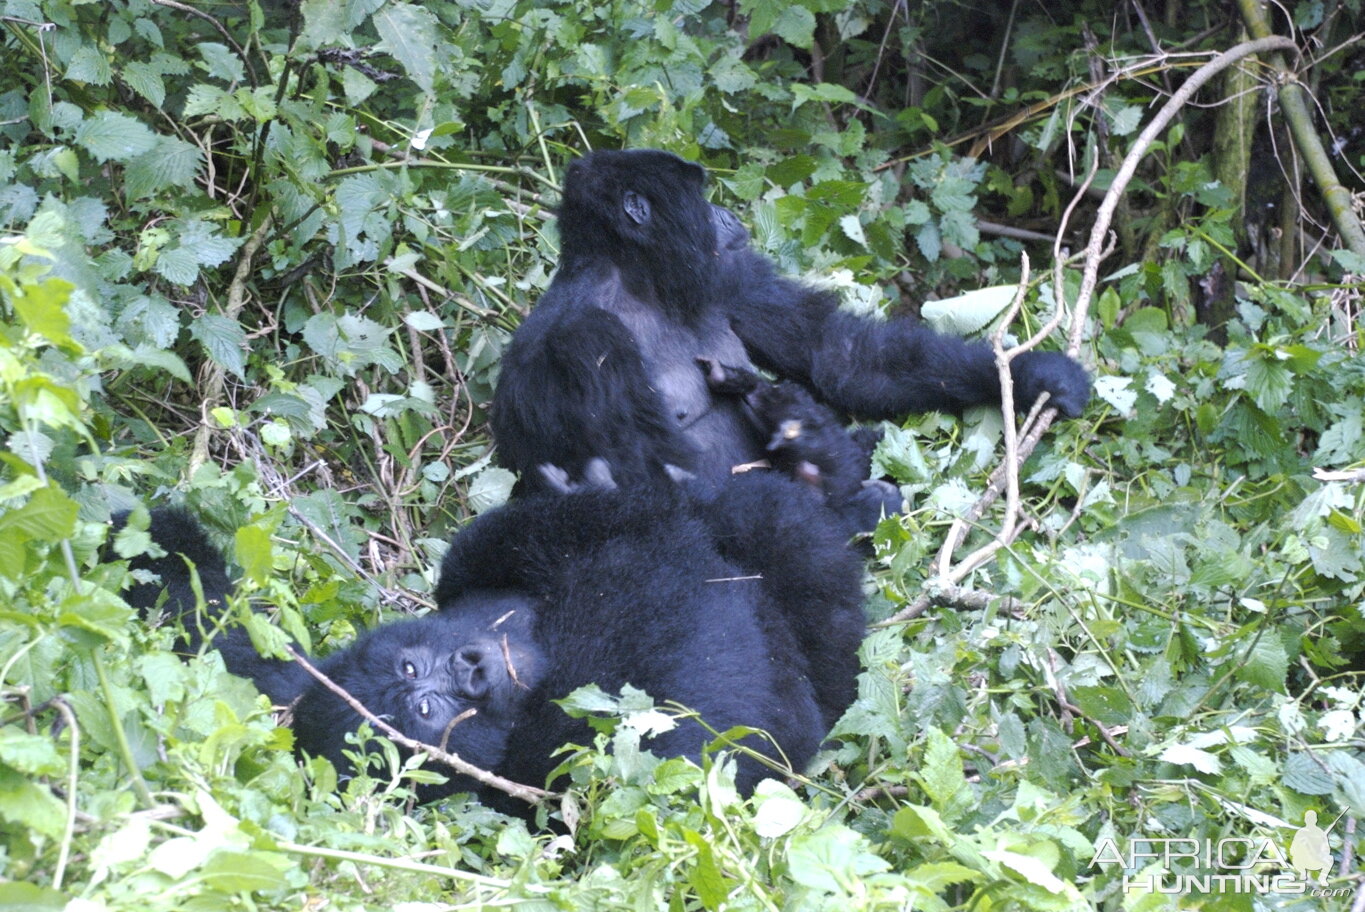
column 469, row 669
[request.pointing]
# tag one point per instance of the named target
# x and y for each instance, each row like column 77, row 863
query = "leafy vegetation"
column 262, row 258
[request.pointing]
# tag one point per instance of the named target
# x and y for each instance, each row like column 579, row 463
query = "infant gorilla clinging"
column 744, row 606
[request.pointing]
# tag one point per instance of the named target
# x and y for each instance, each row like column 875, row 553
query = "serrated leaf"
column 178, row 266
column 796, row 26
column 1034, row 870
column 48, row 516
column 422, row 321
column 965, row 314
column 1160, row 386
column 490, row 488
column 929, row 242
column 1304, row 774
column 173, row 163
column 779, row 809
column 853, row 229
column 202, row 240
column 42, row 310
column 169, row 361
column 145, row 79
column 1269, row 382
column 90, row 66
column 221, row 62
column 108, row 136
column 941, row 773
column 1184, row 755
column 1117, row 391
column 224, row 340
column 1266, row 664
column 205, row 99
column 408, row 33
column 1126, row 120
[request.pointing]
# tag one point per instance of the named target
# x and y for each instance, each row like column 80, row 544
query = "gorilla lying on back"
column 651, row 278
column 745, row 607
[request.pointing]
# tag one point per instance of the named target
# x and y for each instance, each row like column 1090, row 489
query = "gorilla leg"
column 189, row 553
column 811, row 579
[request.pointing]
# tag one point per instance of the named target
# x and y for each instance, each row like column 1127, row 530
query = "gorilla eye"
column 424, row 708
column 409, row 670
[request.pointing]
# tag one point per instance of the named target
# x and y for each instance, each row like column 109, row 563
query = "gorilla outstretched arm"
column 188, row 551
column 874, row 369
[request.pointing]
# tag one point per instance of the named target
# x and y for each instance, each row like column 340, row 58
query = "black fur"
column 651, row 278
column 188, row 551
column 806, row 441
column 744, row 605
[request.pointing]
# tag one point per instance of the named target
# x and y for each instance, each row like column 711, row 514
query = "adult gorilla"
column 745, row 607
column 653, row 278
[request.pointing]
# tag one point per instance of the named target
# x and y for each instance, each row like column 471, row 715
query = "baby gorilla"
column 745, row 607
column 808, row 442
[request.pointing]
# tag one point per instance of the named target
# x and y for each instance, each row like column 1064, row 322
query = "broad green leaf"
column 1266, row 664
column 109, row 136
column 970, row 312
column 409, row 34
column 173, row 163
column 224, row 340
column 145, row 79
column 90, row 66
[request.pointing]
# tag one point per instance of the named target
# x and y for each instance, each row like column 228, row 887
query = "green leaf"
column 109, row 136
column 1304, row 774
column 1268, row 381
column 778, row 811
column 178, row 265
column 224, row 340
column 941, row 772
column 173, row 163
column 220, row 62
column 145, row 79
column 967, row 313
column 29, row 805
column 408, row 32
column 49, row 516
column 34, row 755
column 795, row 25
column 1266, row 665
column 42, row 309
column 90, row 66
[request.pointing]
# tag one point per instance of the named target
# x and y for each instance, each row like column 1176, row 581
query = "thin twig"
column 527, row 793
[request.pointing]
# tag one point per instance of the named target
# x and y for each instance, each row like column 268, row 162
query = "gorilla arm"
column 874, row 369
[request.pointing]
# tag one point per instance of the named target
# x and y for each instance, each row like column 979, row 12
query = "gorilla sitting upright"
column 745, row 607
column 652, row 278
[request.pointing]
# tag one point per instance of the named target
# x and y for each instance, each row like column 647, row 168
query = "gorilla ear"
column 636, row 206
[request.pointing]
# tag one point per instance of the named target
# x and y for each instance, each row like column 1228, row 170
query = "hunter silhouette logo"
column 1309, row 851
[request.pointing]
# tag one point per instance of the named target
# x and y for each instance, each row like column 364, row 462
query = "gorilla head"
column 455, row 679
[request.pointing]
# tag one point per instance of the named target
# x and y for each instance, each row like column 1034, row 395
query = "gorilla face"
column 456, row 680
column 731, row 235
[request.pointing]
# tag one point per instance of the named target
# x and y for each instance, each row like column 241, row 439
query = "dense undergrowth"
column 265, row 268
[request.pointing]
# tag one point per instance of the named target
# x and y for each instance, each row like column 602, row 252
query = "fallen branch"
column 1006, row 475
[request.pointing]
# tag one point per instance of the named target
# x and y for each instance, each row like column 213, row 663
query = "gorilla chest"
column 670, row 351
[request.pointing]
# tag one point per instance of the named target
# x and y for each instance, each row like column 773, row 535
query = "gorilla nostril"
column 470, row 673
